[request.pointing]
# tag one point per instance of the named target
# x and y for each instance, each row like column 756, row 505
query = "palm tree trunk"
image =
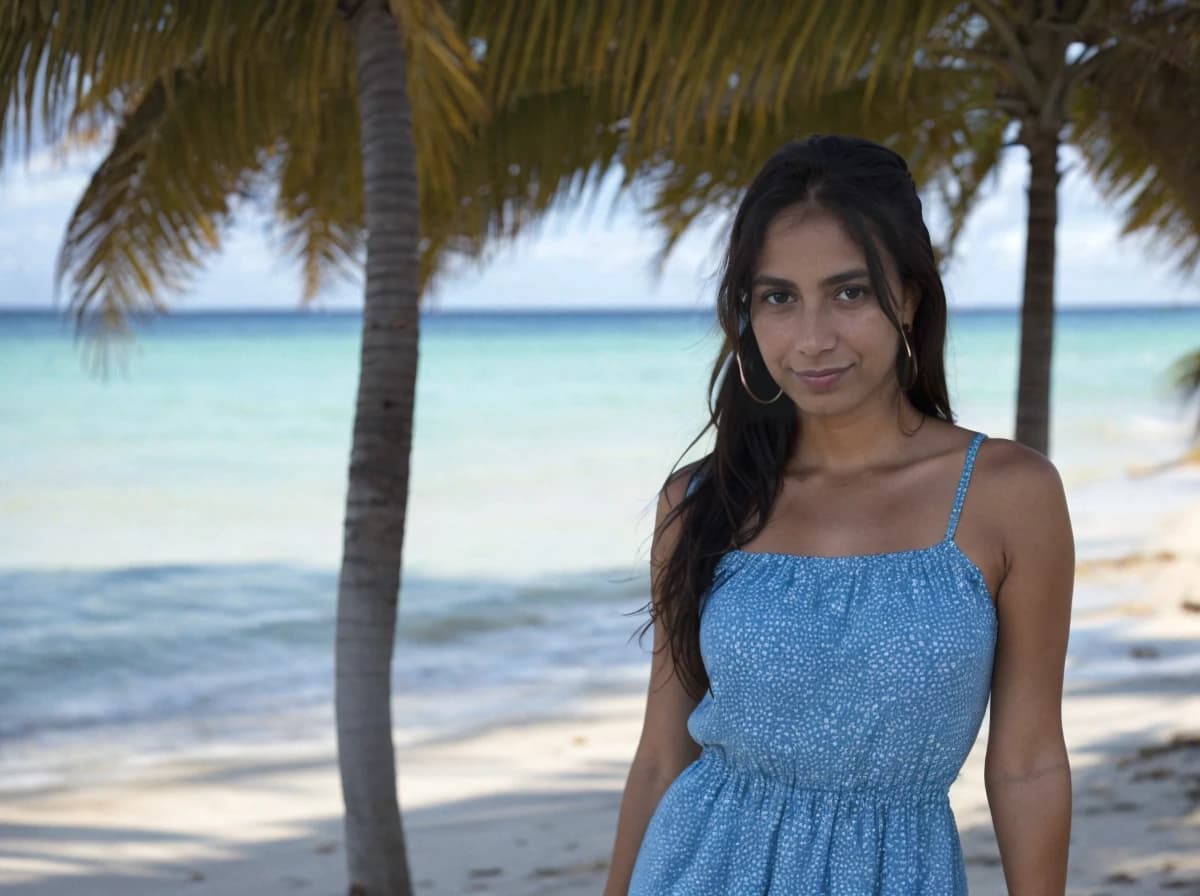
column 1037, row 308
column 373, row 535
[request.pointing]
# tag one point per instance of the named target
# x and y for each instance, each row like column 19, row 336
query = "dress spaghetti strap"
column 963, row 482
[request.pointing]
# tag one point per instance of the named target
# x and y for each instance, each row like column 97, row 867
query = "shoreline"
column 530, row 807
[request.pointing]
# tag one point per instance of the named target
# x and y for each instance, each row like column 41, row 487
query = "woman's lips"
column 822, row 381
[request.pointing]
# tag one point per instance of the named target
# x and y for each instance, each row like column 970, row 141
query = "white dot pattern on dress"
column 846, row 693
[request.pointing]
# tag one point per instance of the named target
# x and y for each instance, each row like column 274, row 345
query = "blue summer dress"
column 845, row 695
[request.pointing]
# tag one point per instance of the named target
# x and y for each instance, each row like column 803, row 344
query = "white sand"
column 532, row 809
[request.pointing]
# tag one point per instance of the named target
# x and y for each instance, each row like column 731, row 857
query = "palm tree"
column 1117, row 79
column 1121, row 82
column 209, row 103
column 225, row 102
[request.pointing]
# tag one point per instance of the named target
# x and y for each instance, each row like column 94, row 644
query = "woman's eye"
column 853, row 293
column 767, row 296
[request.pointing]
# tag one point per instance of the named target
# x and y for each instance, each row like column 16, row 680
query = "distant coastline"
column 1188, row 305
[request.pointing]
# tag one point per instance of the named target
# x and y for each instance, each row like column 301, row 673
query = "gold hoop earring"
column 742, row 374
column 905, row 330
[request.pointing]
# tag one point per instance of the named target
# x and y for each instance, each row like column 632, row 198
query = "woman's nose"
column 816, row 332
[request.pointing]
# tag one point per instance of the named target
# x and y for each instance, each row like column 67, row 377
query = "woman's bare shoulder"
column 1008, row 464
column 1022, row 489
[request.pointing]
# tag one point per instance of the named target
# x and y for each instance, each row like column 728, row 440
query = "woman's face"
column 820, row 327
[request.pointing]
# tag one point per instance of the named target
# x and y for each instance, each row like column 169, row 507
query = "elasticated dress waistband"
column 783, row 774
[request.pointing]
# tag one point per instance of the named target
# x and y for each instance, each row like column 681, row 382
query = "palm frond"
column 944, row 119
column 443, row 85
column 1136, row 117
column 962, row 168
column 663, row 67
column 319, row 200
column 71, row 64
column 158, row 202
column 536, row 152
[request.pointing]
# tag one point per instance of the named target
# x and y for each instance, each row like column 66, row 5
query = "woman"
column 843, row 582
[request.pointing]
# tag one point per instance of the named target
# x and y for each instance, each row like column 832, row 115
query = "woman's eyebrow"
column 852, row 274
column 831, row 280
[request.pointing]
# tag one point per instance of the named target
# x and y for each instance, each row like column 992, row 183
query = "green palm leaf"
column 944, row 125
column 537, row 152
column 155, row 207
column 666, row 66
column 319, row 200
column 1136, row 110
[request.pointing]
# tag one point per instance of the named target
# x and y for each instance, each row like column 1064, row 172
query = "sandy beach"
column 531, row 808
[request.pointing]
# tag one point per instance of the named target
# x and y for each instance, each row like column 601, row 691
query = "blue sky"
column 594, row 260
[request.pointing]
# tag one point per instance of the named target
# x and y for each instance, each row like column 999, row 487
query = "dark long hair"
column 870, row 190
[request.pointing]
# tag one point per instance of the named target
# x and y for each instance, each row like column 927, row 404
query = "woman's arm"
column 1026, row 771
column 644, row 788
column 665, row 747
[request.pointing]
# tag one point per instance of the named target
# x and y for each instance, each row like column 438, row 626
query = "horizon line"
column 1181, row 304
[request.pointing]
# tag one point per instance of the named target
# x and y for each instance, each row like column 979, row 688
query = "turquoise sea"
column 170, row 536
